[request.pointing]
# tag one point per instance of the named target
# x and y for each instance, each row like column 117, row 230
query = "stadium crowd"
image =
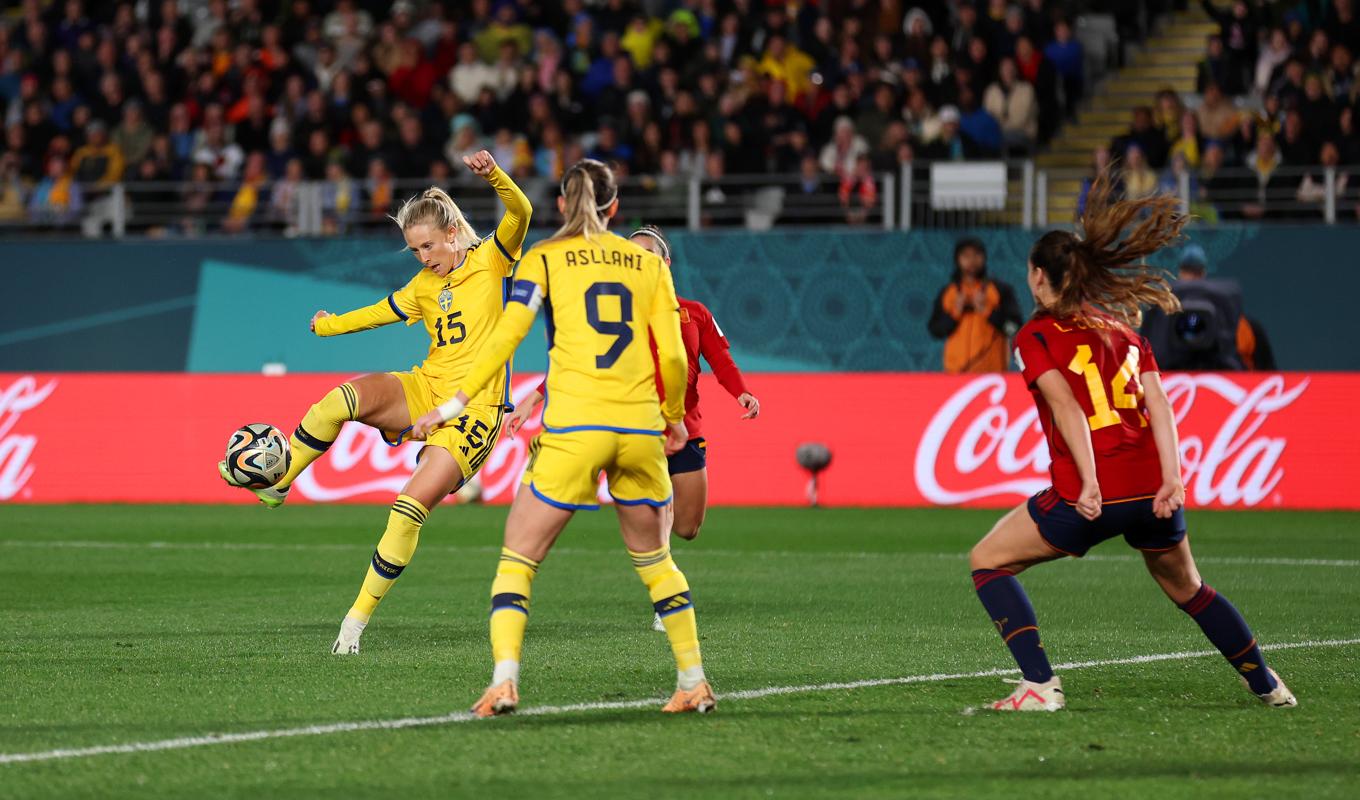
column 1274, row 106
column 240, row 103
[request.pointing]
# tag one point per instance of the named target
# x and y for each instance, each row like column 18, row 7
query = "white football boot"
column 658, row 625
column 271, row 497
column 1030, row 696
column 347, row 643
column 1279, row 697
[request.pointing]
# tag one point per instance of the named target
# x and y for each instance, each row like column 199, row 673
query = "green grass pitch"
column 125, row 624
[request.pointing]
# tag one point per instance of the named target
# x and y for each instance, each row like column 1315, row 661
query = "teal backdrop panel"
column 814, row 300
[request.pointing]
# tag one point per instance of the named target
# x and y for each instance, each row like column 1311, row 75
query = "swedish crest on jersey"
column 445, row 299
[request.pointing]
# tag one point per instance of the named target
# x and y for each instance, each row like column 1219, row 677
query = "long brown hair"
column 1101, row 267
column 588, row 188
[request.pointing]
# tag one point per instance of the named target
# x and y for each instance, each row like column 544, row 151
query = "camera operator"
column 1210, row 332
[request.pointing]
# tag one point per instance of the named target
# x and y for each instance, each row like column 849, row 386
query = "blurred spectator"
column 1275, row 52
column 977, row 125
column 1217, row 68
column 1014, row 105
column 1217, row 117
column 250, row 196
column 1269, row 185
column 1138, row 177
column 858, row 192
column 13, row 191
column 1148, row 139
column 98, row 161
column 339, row 199
column 974, row 314
column 1068, row 59
column 1188, row 143
column 133, row 136
column 57, row 198
column 1237, row 31
column 284, row 197
column 846, row 146
column 1100, row 165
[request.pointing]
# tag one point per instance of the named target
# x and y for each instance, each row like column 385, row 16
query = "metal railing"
column 918, row 195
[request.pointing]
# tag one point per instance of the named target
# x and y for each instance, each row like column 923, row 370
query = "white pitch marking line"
column 92, row 544
column 186, row 742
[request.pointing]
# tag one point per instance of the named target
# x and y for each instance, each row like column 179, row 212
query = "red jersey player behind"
column 1112, row 437
column 703, row 337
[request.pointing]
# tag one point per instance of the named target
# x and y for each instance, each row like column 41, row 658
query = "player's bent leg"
column 436, row 475
column 530, row 529
column 690, row 505
column 1175, row 571
column 1013, row 545
column 642, row 530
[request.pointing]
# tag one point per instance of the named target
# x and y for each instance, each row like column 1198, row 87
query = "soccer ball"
column 258, row 455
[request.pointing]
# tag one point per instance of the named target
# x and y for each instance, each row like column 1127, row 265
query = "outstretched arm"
column 380, row 313
column 1072, row 424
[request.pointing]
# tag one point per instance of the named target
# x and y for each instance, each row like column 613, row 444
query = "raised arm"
column 1071, row 421
column 509, row 235
column 1163, row 421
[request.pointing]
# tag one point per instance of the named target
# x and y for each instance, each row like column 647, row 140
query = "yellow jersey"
column 602, row 297
column 459, row 310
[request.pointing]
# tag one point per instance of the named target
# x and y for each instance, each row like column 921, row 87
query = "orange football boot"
column 699, row 699
column 499, row 699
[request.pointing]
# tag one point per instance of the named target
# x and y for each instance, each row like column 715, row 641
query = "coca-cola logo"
column 978, row 446
column 1239, row 465
column 361, row 463
column 16, row 448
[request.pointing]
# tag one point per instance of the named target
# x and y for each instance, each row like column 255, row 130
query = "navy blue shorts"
column 1071, row 533
column 691, row 458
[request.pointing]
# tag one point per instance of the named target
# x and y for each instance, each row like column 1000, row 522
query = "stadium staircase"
column 1167, row 59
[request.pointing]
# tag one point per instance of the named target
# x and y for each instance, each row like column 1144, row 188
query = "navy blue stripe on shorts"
column 691, row 458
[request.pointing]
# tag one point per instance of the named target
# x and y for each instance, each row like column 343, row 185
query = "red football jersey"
column 703, row 337
column 1102, row 361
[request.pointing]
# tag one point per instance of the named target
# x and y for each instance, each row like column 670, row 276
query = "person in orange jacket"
column 974, row 314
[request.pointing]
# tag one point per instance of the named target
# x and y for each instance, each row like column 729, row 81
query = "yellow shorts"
column 469, row 438
column 564, row 469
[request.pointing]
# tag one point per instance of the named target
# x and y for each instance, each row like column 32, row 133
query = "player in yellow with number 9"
column 602, row 297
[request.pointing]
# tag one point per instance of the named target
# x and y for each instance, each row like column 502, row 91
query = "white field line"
column 205, row 740
column 700, row 552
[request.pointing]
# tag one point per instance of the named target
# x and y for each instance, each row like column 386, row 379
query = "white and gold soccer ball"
column 258, row 455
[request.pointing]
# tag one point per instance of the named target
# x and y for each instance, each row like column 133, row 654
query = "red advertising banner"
column 1263, row 440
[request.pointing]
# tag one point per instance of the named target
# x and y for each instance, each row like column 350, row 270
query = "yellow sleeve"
column 526, row 296
column 509, row 235
column 664, row 322
column 360, row 319
column 400, row 306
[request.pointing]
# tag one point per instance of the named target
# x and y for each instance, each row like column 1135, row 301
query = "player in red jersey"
column 689, row 467
column 1112, row 436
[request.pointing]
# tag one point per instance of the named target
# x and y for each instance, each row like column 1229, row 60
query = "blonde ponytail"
column 588, row 188
column 435, row 208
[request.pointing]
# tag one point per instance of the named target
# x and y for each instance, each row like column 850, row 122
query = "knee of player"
column 687, row 532
column 981, row 557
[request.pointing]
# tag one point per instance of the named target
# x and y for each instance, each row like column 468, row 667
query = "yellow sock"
column 318, row 429
column 670, row 597
column 395, row 548
column 510, row 612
